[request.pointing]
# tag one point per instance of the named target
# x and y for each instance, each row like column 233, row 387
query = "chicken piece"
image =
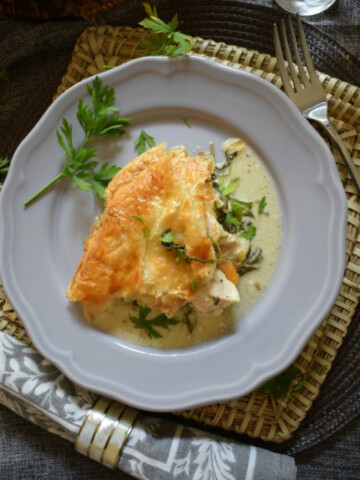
column 216, row 295
column 234, row 247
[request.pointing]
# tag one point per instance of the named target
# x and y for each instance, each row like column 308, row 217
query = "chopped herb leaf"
column 148, row 324
column 142, row 140
column 229, row 188
column 167, row 237
column 231, row 220
column 4, row 165
column 146, row 229
column 4, row 168
column 249, row 233
column 238, row 208
column 179, row 252
column 187, row 123
column 242, row 202
column 262, row 205
column 188, row 317
column 238, row 211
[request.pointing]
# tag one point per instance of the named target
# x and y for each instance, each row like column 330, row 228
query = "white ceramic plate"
column 41, row 245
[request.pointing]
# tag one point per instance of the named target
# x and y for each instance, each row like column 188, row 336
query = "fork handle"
column 335, row 137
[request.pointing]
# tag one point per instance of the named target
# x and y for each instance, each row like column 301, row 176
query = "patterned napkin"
column 155, row 447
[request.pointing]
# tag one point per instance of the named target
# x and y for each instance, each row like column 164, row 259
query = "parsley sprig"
column 166, row 40
column 142, row 140
column 98, row 119
column 287, row 384
column 148, row 324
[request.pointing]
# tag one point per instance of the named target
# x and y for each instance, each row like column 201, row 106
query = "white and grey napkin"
column 155, row 448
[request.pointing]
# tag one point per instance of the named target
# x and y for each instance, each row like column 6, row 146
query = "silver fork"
column 306, row 91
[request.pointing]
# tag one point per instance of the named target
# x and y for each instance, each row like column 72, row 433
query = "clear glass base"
column 305, row 7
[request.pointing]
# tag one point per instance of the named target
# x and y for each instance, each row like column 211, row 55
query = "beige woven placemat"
column 256, row 415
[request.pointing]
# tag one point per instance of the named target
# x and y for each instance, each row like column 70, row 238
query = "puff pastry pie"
column 124, row 257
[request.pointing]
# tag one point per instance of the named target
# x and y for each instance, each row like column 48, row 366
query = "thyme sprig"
column 167, row 39
column 251, row 262
column 98, row 119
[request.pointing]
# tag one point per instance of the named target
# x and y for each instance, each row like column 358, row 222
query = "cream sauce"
column 254, row 184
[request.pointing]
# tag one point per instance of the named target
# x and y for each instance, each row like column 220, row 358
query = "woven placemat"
column 255, row 415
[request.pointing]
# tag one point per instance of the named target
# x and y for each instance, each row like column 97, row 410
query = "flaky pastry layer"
column 124, row 257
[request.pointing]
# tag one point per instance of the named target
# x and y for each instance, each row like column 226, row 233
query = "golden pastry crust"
column 167, row 190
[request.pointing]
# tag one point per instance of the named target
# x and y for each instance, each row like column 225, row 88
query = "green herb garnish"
column 228, row 188
column 167, row 240
column 262, row 205
column 166, row 39
column 253, row 257
column 140, row 142
column 187, row 123
column 235, row 216
column 148, row 324
column 188, row 318
column 283, row 386
column 249, row 233
column 98, row 119
column 4, row 168
column 232, row 220
column 146, row 229
column 242, row 202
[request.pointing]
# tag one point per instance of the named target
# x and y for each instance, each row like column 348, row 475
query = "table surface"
column 29, row 452
column 341, row 22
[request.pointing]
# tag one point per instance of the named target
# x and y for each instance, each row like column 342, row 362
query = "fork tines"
column 299, row 78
